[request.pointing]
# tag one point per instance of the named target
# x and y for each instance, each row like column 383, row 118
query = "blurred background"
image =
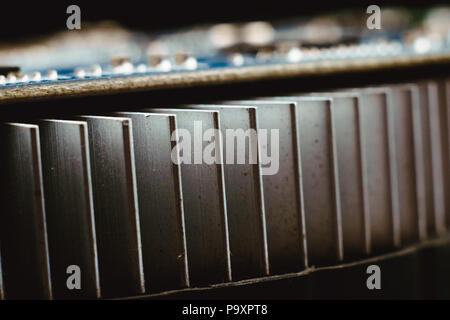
column 23, row 19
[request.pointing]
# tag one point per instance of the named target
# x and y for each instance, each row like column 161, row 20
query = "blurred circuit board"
column 106, row 58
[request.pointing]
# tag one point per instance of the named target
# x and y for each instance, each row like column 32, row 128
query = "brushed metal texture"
column 316, row 147
column 409, row 159
column 283, row 194
column 160, row 197
column 69, row 206
column 204, row 200
column 432, row 141
column 115, row 205
column 22, row 216
column 320, row 178
column 352, row 174
column 245, row 200
column 442, row 99
column 377, row 116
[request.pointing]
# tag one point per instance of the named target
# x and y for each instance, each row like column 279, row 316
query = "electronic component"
column 221, row 160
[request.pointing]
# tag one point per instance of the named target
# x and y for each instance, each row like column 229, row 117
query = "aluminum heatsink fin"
column 316, row 148
column 444, row 106
column 433, row 153
column 283, row 194
column 377, row 123
column 410, row 164
column 204, row 198
column 320, row 178
column 160, row 198
column 69, row 207
column 243, row 182
column 115, row 205
column 353, row 177
column 24, row 250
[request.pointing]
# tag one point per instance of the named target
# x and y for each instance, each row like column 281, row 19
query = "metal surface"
column 317, row 152
column 353, row 176
column 160, row 202
column 69, row 206
column 320, row 179
column 437, row 154
column 204, row 200
column 431, row 129
column 22, row 216
column 283, row 194
column 443, row 100
column 379, row 140
column 115, row 205
column 361, row 171
column 409, row 157
column 245, row 201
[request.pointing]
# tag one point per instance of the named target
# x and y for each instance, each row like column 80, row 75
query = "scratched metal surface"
column 431, row 129
column 115, row 206
column 428, row 185
column 283, row 197
column 320, row 178
column 204, row 202
column 379, row 139
column 409, row 158
column 245, row 202
column 23, row 227
column 353, row 190
column 353, row 178
column 69, row 206
column 160, row 199
column 444, row 106
column 378, row 158
column 439, row 98
column 437, row 156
